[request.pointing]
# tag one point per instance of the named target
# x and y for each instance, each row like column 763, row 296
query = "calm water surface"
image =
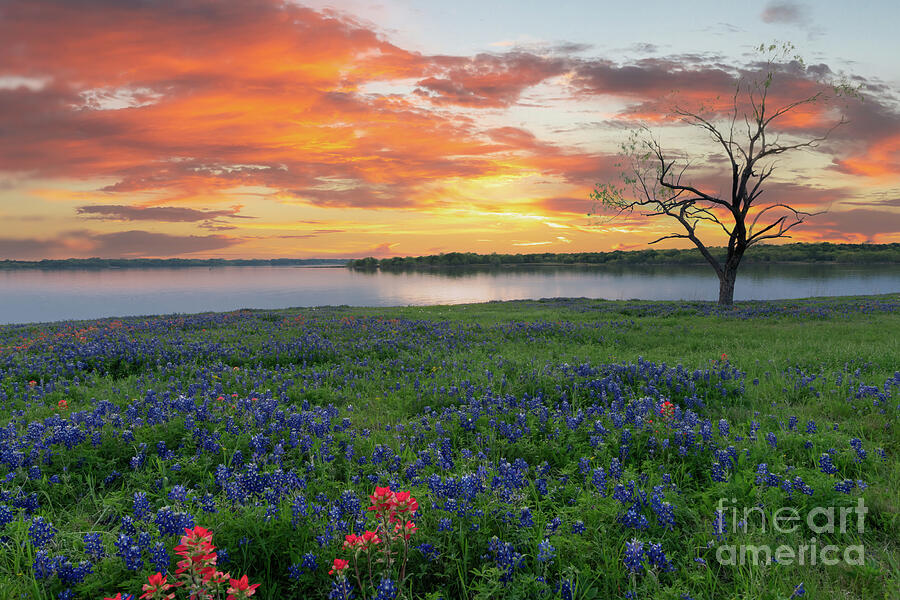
column 36, row 295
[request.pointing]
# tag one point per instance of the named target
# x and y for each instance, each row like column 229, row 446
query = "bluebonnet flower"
column 798, row 591
column 178, row 494
column 309, row 562
column 754, row 427
column 171, row 522
column 137, row 461
column 43, row 566
column 633, row 518
column 584, row 465
column 546, row 552
column 565, row 589
column 720, row 525
column 6, row 516
column 845, row 486
column 299, row 508
column 856, row 444
column 615, row 468
column 445, row 524
column 657, row 557
column 665, row 512
column 826, row 465
column 811, row 427
column 41, row 532
column 207, row 503
column 111, row 477
column 160, row 558
column 799, row 484
column 141, row 506
column 428, row 551
column 525, row 518
column 127, row 525
column 505, row 557
column 93, row 546
column 634, row 556
column 552, row 526
column 70, row 574
column 578, row 527
column 718, row 472
column 598, row 479
column 386, row 590
column 129, row 552
column 143, row 541
column 340, row 590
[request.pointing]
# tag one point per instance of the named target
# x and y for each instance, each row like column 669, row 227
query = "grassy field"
column 564, row 448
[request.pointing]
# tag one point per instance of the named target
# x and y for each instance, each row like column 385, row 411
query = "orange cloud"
column 176, row 109
column 129, row 244
column 881, row 160
column 488, row 80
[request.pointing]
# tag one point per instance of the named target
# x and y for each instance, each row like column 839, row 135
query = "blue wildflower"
column 657, row 557
column 546, row 552
column 41, row 532
column 826, row 465
column 386, row 590
column 634, row 555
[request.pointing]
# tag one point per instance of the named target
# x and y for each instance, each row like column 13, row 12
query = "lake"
column 50, row 295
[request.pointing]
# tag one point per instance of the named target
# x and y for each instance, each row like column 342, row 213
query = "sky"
column 266, row 128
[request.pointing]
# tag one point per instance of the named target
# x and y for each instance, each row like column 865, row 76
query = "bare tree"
column 655, row 180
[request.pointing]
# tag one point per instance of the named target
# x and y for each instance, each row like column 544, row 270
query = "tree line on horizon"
column 143, row 263
column 822, row 252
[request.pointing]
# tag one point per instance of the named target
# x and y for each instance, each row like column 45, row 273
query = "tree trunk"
column 726, row 286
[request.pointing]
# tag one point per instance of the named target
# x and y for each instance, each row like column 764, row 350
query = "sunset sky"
column 263, row 128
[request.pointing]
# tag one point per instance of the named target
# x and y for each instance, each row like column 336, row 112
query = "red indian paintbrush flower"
column 338, row 567
column 381, row 499
column 156, row 588
column 403, row 502
column 241, row 588
column 407, row 530
column 666, row 409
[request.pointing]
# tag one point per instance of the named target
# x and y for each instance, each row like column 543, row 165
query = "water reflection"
column 35, row 295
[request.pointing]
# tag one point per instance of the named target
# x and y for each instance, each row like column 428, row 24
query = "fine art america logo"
column 820, row 520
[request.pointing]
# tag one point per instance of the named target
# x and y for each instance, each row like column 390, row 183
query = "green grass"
column 802, row 359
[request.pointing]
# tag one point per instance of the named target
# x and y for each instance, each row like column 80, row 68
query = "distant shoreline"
column 798, row 253
column 623, row 263
column 824, row 253
column 163, row 263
